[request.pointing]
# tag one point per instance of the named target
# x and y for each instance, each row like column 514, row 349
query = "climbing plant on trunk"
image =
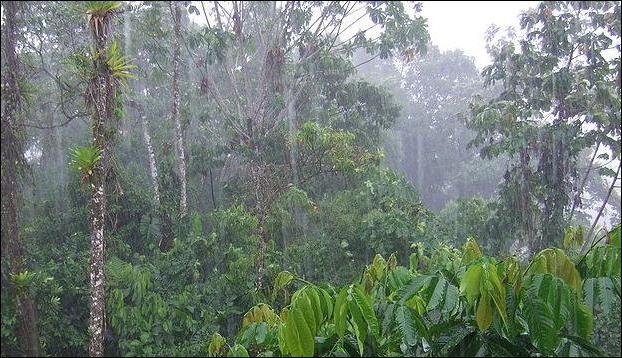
column 12, row 160
column 101, row 97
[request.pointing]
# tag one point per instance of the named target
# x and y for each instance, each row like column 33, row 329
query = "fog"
column 299, row 178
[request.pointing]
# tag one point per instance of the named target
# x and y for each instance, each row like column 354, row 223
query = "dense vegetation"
column 307, row 178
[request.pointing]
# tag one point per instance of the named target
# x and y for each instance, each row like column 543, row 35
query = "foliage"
column 118, row 64
column 357, row 262
column 556, row 81
column 397, row 311
column 83, row 160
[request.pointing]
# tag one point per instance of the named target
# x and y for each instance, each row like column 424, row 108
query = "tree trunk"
column 577, row 198
column 166, row 231
column 260, row 210
column 602, row 208
column 27, row 332
column 153, row 169
column 100, row 98
column 179, row 142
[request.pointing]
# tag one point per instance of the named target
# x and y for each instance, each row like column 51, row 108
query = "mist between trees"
column 307, row 178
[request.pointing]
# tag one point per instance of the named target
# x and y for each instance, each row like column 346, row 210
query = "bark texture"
column 179, row 140
column 153, row 169
column 100, row 98
column 27, row 331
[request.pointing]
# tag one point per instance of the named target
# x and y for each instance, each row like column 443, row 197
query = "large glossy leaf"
column 406, row 325
column 600, row 292
column 398, row 277
column 413, row 287
column 573, row 346
column 556, row 262
column 451, row 299
column 613, row 237
column 603, row 261
column 542, row 331
column 583, row 321
column 470, row 283
column 484, row 312
column 298, row 337
column 358, row 321
column 341, row 311
column 555, row 294
column 491, row 286
column 367, row 310
column 438, row 289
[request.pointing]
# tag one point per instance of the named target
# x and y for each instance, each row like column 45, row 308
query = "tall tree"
column 12, row 160
column 109, row 67
column 175, row 8
column 560, row 95
column 275, row 55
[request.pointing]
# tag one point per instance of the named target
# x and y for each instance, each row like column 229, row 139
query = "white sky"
column 463, row 24
column 456, row 24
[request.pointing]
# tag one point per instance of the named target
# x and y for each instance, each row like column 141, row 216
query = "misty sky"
column 463, row 25
column 455, row 24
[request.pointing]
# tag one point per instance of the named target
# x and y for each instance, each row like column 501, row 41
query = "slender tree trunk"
column 211, row 185
column 25, row 308
column 100, row 98
column 260, row 210
column 166, row 231
column 602, row 208
column 293, row 128
column 577, row 198
column 179, row 142
column 153, row 169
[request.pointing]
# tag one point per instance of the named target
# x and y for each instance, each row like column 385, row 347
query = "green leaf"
column 584, row 321
column 367, row 310
column 358, row 321
column 237, row 350
column 282, row 280
column 471, row 282
column 588, row 349
column 541, row 322
column 299, row 340
column 341, row 311
column 613, row 237
column 483, row 315
column 412, row 288
column 603, row 261
column 83, row 159
column 438, row 293
column 216, row 344
column 470, row 251
column 600, row 291
column 451, row 299
column 556, row 262
column 405, row 324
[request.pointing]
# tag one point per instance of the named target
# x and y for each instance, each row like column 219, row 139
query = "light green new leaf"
column 470, row 283
column 341, row 311
column 282, row 280
column 216, row 344
column 483, row 315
